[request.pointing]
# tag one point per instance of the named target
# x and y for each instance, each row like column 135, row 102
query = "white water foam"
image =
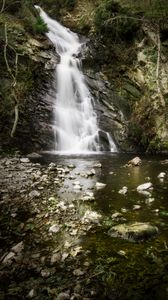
column 76, row 126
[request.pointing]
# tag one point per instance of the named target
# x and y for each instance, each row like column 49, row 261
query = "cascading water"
column 76, row 127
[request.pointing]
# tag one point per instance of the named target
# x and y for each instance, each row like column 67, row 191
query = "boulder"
column 134, row 232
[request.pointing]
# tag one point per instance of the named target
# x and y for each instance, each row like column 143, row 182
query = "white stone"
column 77, row 187
column 34, row 194
column 76, row 183
column 78, row 272
column 123, row 191
column 162, row 175
column 31, row 294
column 149, row 200
column 144, row 186
column 136, row 161
column 116, row 215
column 91, row 216
column 98, row 165
column 100, row 185
column 18, row 248
column 45, row 273
column 54, row 228
column 136, row 207
column 8, row 258
column 24, row 160
column 55, row 258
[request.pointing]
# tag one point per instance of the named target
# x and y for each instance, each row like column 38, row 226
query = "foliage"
column 114, row 20
column 39, row 26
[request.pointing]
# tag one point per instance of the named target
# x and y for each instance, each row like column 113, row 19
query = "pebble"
column 63, row 296
column 31, row 294
column 123, row 191
column 24, row 160
column 56, row 258
column 136, row 207
column 34, row 194
column 149, row 200
column 162, row 175
column 100, row 185
column 45, row 273
column 98, row 165
column 78, row 272
column 54, row 228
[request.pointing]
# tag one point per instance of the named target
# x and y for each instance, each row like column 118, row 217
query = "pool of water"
column 123, row 269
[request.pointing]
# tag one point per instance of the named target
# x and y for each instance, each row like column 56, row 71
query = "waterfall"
column 76, row 125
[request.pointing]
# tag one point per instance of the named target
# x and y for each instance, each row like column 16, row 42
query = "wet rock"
column 100, row 185
column 34, row 155
column 144, row 186
column 91, row 172
column 136, row 161
column 77, row 187
column 34, row 194
column 71, row 166
column 76, row 296
column 122, row 252
column 123, row 191
column 78, row 272
column 136, row 207
column 8, row 258
column 24, row 160
column 149, row 200
column 145, row 193
column 134, row 232
column 54, row 228
column 18, row 248
column 116, row 215
column 45, row 273
column 63, row 296
column 161, row 175
column 98, row 165
column 56, row 258
column 31, row 294
column 89, row 196
column 91, row 216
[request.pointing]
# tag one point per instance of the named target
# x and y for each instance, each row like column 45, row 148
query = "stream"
column 56, row 221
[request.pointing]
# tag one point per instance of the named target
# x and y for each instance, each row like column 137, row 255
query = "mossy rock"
column 134, row 232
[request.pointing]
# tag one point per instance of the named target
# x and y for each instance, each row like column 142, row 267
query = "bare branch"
column 3, row 6
column 16, row 117
column 158, row 69
column 14, row 82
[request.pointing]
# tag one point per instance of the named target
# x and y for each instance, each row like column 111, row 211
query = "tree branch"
column 158, row 69
column 14, row 82
column 3, row 6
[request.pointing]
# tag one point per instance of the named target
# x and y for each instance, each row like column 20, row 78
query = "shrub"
column 111, row 18
column 39, row 26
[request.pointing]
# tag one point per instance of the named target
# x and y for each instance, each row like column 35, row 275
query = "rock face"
column 36, row 62
column 134, row 232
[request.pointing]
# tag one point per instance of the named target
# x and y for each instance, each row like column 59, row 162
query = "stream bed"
column 57, row 219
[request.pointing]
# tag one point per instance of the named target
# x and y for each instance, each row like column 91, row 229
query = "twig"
column 3, row 6
column 16, row 109
column 16, row 118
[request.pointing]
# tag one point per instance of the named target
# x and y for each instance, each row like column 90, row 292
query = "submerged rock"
column 136, row 161
column 144, row 186
column 134, row 232
column 100, row 185
column 161, row 175
column 123, row 191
